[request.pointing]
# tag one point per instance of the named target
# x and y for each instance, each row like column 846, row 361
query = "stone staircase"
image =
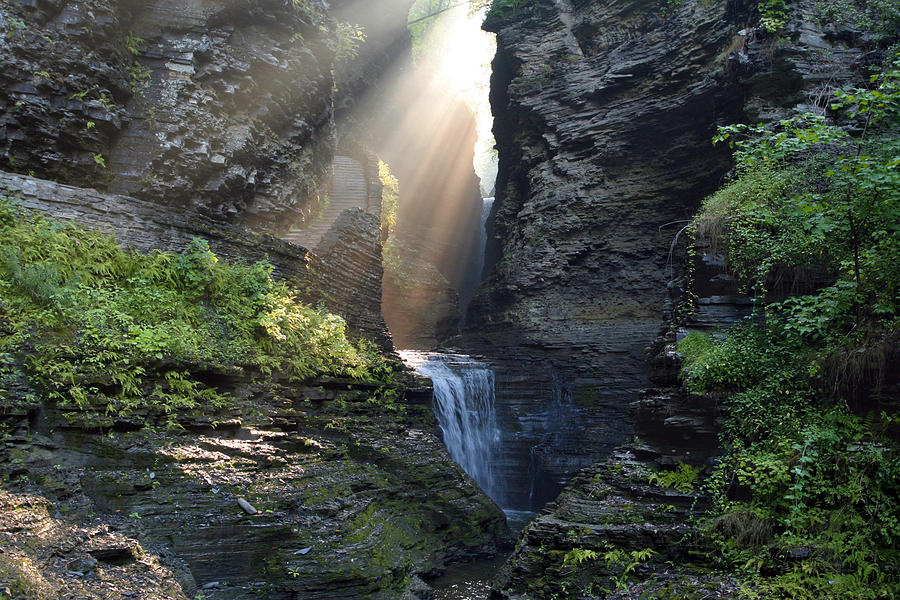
column 353, row 185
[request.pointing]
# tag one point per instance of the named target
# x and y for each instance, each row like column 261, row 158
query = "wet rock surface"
column 350, row 498
column 552, row 423
column 617, row 530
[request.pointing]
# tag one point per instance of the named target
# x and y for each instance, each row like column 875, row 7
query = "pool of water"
column 472, row 581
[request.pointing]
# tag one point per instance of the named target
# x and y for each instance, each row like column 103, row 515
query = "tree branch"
column 436, row 13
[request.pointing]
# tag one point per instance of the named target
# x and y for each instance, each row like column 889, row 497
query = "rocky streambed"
column 307, row 491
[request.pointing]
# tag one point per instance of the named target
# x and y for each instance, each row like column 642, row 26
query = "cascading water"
column 464, row 407
column 476, row 272
column 487, row 205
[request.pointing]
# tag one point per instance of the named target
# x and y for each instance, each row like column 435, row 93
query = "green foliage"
column 349, row 38
column 133, row 43
column 390, row 198
column 508, row 7
column 670, row 7
column 628, row 561
column 396, row 263
column 16, row 27
column 576, row 556
column 682, row 478
column 836, row 204
column 881, row 17
column 807, row 490
column 814, row 475
column 427, row 24
column 91, row 323
column 423, row 15
column 773, row 15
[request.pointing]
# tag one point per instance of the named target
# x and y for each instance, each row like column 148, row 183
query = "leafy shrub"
column 807, row 489
column 95, row 323
column 682, row 478
column 390, row 198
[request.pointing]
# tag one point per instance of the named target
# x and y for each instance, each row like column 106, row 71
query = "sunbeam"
column 425, row 118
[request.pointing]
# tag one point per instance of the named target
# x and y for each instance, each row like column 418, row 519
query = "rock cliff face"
column 222, row 106
column 604, row 116
column 604, row 112
column 342, row 497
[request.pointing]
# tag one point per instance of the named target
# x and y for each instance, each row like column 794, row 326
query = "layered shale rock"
column 221, row 106
column 314, row 491
column 45, row 556
column 612, row 534
column 604, row 115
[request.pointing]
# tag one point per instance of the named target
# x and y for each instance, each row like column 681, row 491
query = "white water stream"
column 464, row 407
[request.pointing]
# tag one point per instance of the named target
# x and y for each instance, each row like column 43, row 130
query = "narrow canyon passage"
column 449, row 299
column 546, row 413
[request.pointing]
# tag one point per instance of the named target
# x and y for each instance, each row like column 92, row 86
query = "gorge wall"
column 604, row 115
column 163, row 121
column 225, row 107
column 210, row 119
column 427, row 135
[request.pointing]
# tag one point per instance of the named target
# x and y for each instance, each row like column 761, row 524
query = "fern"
column 682, row 478
column 576, row 556
column 97, row 320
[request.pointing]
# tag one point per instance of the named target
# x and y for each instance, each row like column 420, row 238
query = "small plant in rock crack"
column 576, row 556
column 682, row 478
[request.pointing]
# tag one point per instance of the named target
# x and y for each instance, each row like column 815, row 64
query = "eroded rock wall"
column 221, row 106
column 604, row 115
column 344, row 498
column 215, row 119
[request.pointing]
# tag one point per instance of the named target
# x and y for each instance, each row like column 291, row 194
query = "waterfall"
column 477, row 271
column 487, row 204
column 464, row 407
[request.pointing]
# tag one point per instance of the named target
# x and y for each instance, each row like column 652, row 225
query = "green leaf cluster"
column 807, row 491
column 881, row 17
column 89, row 323
column 682, row 478
column 390, row 198
column 773, row 15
